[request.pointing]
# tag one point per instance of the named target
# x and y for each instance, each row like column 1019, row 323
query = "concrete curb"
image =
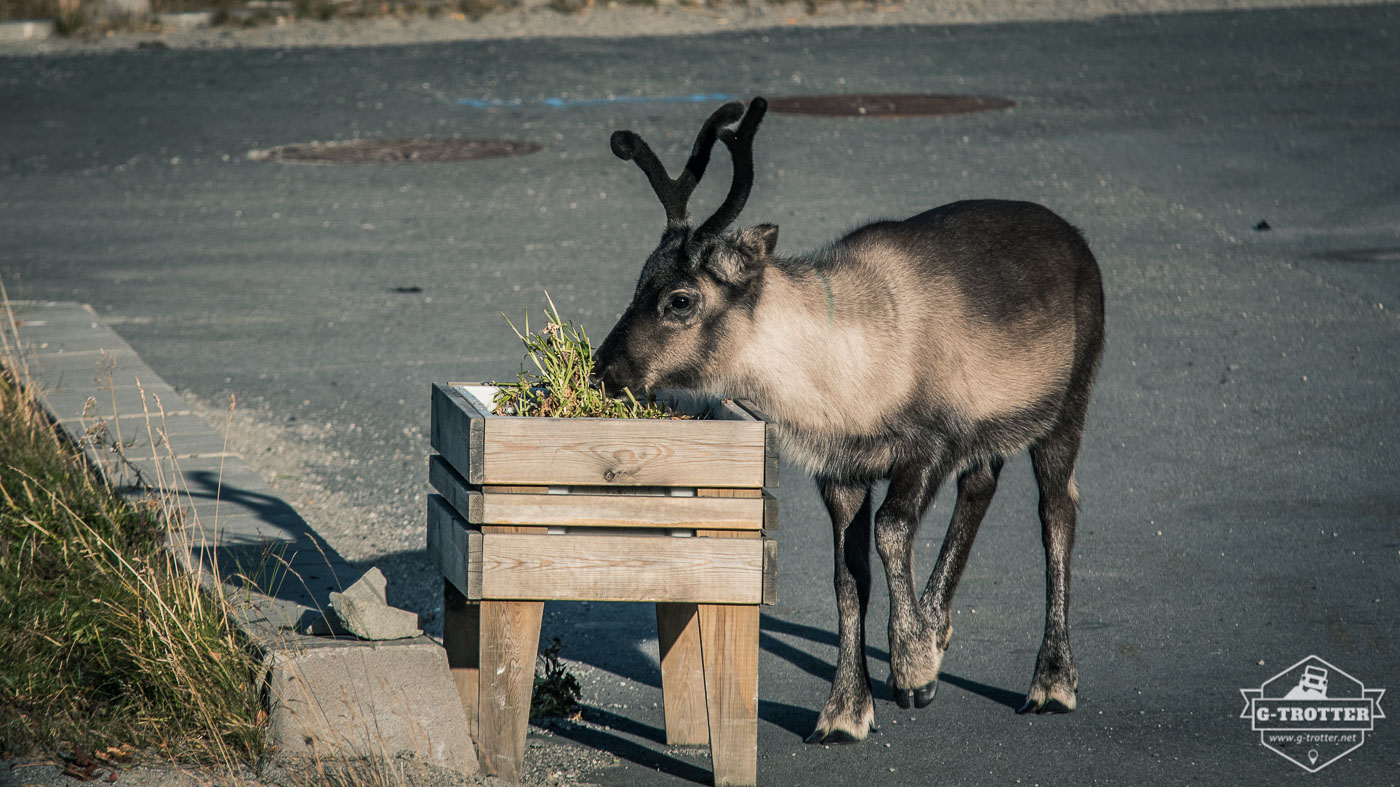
column 329, row 698
column 31, row 29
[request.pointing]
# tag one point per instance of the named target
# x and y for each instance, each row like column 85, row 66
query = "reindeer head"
column 698, row 286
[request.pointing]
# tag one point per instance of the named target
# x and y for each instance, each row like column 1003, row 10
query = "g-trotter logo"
column 1312, row 713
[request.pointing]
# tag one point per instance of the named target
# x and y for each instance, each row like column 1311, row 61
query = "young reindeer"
column 907, row 350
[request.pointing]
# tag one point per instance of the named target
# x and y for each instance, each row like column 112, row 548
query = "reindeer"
column 906, row 350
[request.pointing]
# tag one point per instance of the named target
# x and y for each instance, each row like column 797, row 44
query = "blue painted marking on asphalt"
column 564, row 103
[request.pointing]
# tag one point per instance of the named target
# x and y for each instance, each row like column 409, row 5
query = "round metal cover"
column 887, row 105
column 396, row 151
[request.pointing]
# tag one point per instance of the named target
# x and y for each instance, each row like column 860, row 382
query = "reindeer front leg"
column 849, row 713
column 915, row 652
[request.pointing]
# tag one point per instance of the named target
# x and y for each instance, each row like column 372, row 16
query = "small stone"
column 363, row 610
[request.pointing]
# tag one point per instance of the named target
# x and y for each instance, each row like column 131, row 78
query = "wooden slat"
column 458, row 431
column 623, row 452
column 770, row 558
column 584, row 489
column 622, row 568
column 501, row 489
column 729, row 410
column 514, row 529
column 703, row 406
column 594, row 506
column 770, row 441
column 490, row 449
column 464, row 498
column 454, row 547
column 682, row 675
column 703, row 492
column 622, row 511
column 480, row 507
column 729, row 647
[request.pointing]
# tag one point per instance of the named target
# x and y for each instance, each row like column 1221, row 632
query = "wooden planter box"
column 672, row 512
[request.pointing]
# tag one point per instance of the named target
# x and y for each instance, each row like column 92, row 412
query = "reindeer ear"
column 745, row 253
column 759, row 240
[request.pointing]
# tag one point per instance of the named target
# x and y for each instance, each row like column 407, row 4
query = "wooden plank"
column 461, row 638
column 622, row 452
column 729, row 649
column 703, row 406
column 729, row 410
column 682, row 675
column 499, row 489
column 586, row 489
column 770, row 456
column 621, row 511
column 770, row 559
column 727, row 533
column 770, row 513
column 725, row 450
column 464, row 498
column 513, row 529
column 510, row 641
column 703, row 492
column 458, row 430
column 770, row 441
column 454, row 547
column 622, row 568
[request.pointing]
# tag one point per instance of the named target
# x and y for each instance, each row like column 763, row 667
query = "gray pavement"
column 1238, row 475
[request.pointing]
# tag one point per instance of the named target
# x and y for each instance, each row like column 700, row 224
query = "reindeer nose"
column 611, row 367
column 603, row 362
column 606, row 372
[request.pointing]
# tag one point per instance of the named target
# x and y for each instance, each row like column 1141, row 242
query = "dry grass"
column 110, row 644
column 563, row 388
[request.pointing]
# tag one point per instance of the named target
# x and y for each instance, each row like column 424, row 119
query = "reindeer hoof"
column 831, row 736
column 1049, row 699
column 849, row 727
column 914, row 698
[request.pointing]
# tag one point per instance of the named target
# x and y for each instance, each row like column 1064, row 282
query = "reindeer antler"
column 674, row 193
column 740, row 144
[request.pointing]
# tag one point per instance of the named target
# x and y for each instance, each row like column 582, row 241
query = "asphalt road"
column 1240, row 464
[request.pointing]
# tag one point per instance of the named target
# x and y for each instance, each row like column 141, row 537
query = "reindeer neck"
column 810, row 343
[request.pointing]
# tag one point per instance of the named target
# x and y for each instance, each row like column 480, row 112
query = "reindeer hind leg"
column 1056, row 679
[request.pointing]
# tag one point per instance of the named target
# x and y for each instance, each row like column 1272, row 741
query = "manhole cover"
column 887, row 105
column 395, row 151
column 1364, row 255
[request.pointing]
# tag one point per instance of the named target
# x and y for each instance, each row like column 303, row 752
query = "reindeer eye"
column 681, row 303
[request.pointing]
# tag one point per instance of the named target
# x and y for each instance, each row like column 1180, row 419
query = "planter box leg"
column 510, row 642
column 729, row 647
column 461, row 637
column 682, row 675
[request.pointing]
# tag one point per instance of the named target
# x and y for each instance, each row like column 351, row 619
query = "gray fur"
column 910, row 350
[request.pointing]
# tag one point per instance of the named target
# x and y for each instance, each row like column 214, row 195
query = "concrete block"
column 363, row 610
column 331, row 699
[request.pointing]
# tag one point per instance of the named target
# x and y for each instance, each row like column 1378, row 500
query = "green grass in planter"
column 562, row 389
